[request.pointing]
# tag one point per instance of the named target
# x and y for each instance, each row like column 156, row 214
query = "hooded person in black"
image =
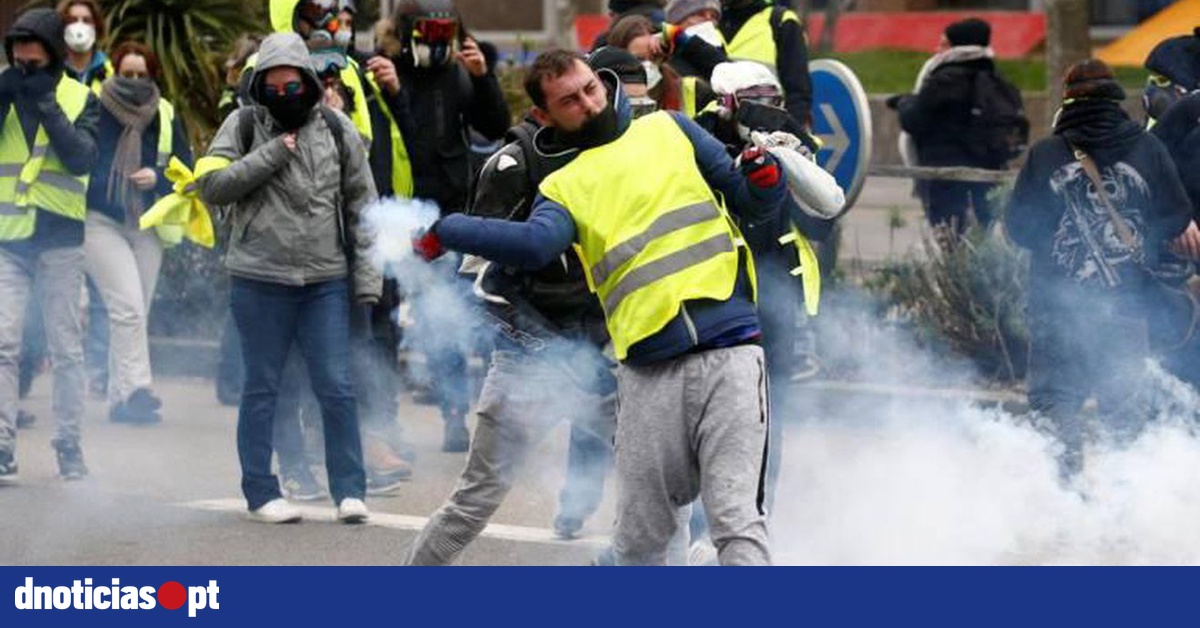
column 1088, row 285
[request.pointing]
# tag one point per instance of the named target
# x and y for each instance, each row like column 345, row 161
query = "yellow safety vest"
column 689, row 96
column 651, row 233
column 38, row 179
column 402, row 177
column 166, row 133
column 756, row 39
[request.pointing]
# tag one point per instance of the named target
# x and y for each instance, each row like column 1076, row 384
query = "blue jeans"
column 270, row 318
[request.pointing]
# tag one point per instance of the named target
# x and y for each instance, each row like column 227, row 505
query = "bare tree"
column 1067, row 42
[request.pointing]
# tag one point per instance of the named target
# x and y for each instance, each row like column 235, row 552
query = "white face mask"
column 653, row 74
column 708, row 32
column 80, row 36
column 341, row 39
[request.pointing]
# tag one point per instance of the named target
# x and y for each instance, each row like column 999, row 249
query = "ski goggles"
column 760, row 94
column 436, row 30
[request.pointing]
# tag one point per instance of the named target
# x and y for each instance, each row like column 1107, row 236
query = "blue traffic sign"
column 842, row 119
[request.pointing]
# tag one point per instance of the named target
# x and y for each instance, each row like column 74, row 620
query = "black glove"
column 39, row 85
column 10, row 84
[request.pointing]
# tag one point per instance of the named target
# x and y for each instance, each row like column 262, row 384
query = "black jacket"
column 939, row 115
column 1179, row 131
column 791, row 45
column 74, row 144
column 110, row 130
column 1053, row 211
column 443, row 103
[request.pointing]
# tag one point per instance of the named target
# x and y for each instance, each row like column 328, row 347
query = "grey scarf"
column 134, row 103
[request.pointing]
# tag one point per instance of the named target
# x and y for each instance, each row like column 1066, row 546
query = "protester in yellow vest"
column 47, row 148
column 139, row 133
column 85, row 28
column 773, row 36
column 677, row 287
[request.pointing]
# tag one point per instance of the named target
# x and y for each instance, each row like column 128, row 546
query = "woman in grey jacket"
column 296, row 188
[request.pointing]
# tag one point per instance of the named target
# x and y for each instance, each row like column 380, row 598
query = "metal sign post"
column 842, row 119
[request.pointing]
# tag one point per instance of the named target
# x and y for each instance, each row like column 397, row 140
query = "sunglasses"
column 290, row 88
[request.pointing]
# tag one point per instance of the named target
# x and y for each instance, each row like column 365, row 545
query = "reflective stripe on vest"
column 756, row 39
column 647, row 247
column 166, row 132
column 33, row 179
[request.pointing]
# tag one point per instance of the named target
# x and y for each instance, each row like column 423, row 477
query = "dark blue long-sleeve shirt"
column 550, row 230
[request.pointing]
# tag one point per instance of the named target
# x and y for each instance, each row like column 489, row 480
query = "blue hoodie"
column 550, row 231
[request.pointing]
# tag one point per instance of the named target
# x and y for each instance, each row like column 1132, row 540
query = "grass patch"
column 895, row 71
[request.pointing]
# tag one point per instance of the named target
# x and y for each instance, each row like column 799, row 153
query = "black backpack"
column 998, row 131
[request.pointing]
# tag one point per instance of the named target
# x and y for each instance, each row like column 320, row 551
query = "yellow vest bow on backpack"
column 647, row 247
column 37, row 179
column 180, row 214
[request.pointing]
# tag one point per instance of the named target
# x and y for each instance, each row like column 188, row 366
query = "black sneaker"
column 387, row 482
column 70, row 460
column 455, row 437
column 25, row 420
column 140, row 409
column 567, row 528
column 8, row 468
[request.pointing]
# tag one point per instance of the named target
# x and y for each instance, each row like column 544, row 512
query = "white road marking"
column 328, row 514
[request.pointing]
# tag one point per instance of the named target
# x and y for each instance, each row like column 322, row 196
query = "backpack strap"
column 1118, row 221
column 523, row 135
column 246, row 127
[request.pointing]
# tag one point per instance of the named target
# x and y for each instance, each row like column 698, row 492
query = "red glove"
column 760, row 167
column 427, row 244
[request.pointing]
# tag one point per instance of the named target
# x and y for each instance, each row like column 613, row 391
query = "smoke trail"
column 903, row 480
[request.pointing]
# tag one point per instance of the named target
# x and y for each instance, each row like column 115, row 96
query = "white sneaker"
column 352, row 510
column 277, row 510
column 702, row 553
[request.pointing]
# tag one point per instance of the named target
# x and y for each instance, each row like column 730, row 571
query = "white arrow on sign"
column 836, row 141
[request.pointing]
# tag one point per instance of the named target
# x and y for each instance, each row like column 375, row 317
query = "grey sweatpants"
column 59, row 274
column 521, row 401
column 694, row 426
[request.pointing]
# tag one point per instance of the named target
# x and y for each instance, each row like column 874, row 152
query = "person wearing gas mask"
column 47, row 150
column 368, row 92
column 1174, row 66
column 450, row 88
column 85, row 28
column 138, row 135
column 295, row 191
column 750, row 107
column 760, row 31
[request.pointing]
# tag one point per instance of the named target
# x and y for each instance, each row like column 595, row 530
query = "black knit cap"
column 639, row 7
column 969, row 32
column 1092, row 79
column 621, row 61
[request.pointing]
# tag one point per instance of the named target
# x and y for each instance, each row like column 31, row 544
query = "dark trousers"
column 1091, row 350
column 951, row 202
column 270, row 318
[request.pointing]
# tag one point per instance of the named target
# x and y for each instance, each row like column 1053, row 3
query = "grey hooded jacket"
column 286, row 207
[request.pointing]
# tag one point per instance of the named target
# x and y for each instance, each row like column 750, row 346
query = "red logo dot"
column 171, row 595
